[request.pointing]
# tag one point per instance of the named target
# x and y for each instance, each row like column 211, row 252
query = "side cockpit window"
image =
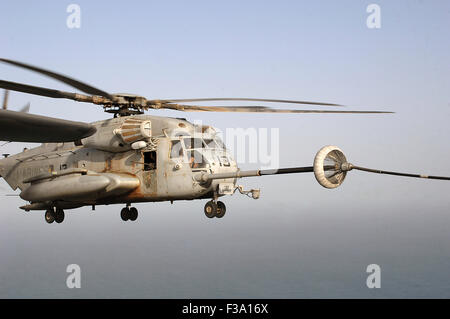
column 177, row 149
column 196, row 159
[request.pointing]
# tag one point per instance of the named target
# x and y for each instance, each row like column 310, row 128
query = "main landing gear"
column 129, row 213
column 215, row 209
column 54, row 215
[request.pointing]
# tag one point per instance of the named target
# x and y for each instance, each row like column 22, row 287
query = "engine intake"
column 133, row 130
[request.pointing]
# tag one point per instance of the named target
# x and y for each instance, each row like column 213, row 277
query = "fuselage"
column 139, row 158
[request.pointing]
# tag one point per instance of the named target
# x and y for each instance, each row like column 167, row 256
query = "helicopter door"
column 149, row 172
column 149, row 161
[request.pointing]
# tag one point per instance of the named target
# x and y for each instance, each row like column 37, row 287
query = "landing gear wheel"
column 59, row 215
column 221, row 209
column 125, row 214
column 49, row 216
column 210, row 209
column 133, row 214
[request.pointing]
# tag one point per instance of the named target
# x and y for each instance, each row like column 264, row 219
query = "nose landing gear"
column 210, row 209
column 129, row 213
column 221, row 209
column 215, row 209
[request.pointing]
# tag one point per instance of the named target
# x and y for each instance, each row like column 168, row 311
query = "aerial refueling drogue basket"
column 328, row 166
column 331, row 167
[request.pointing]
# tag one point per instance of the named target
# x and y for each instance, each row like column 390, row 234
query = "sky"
column 298, row 239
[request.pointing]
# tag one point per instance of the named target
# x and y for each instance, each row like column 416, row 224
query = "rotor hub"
column 124, row 104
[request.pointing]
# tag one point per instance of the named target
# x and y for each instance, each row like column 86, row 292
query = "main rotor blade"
column 65, row 79
column 247, row 99
column 25, row 127
column 254, row 109
column 37, row 90
column 377, row 171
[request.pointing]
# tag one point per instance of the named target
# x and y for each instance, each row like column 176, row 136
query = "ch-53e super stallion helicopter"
column 135, row 157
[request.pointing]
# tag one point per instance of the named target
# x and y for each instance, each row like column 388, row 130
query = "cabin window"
column 149, row 161
column 176, row 150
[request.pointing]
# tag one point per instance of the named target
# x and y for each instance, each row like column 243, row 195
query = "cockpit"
column 199, row 152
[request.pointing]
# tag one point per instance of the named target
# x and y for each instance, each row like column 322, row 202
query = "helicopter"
column 134, row 157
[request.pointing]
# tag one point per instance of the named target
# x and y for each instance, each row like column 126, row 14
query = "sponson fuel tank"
column 88, row 186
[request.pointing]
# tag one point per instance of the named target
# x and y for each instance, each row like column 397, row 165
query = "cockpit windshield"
column 219, row 143
column 196, row 142
column 197, row 151
column 210, row 143
column 191, row 143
